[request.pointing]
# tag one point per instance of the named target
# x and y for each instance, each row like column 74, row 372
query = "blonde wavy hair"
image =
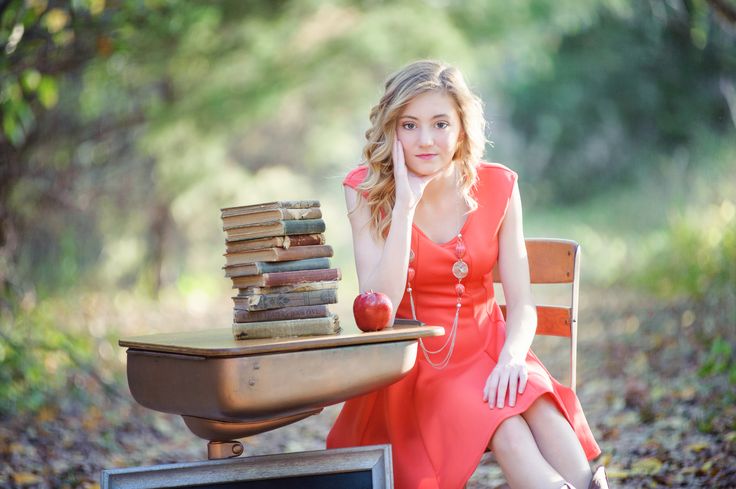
column 419, row 77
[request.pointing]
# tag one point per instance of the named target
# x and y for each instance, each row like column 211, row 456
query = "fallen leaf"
column 47, row 414
column 92, row 419
column 605, row 459
column 25, row 478
column 698, row 447
column 617, row 473
column 646, row 466
column 17, row 448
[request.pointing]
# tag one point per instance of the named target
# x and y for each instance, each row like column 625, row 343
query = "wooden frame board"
column 367, row 467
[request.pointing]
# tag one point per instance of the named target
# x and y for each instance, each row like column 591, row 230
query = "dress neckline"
column 454, row 238
column 468, row 216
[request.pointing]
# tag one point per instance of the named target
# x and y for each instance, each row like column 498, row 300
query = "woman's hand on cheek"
column 509, row 376
column 409, row 186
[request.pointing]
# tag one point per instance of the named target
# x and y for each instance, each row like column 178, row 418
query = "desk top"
column 221, row 343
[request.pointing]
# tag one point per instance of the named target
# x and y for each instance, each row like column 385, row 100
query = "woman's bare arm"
column 510, row 374
column 521, row 315
column 382, row 266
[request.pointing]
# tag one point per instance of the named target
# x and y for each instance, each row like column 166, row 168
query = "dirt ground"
column 658, row 422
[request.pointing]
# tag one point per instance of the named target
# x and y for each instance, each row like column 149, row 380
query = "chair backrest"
column 555, row 261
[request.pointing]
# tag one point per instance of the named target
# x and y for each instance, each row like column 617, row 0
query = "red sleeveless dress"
column 436, row 420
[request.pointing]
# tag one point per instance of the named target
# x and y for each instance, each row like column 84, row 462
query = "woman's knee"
column 510, row 436
column 542, row 411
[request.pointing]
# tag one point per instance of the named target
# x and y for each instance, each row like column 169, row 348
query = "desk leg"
column 224, row 449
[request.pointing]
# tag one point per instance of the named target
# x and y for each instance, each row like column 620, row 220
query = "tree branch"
column 725, row 10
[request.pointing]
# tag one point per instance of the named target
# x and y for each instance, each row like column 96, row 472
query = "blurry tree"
column 630, row 84
column 122, row 118
column 127, row 123
column 147, row 95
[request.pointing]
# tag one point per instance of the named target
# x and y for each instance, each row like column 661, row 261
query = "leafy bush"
column 720, row 360
column 37, row 356
column 696, row 255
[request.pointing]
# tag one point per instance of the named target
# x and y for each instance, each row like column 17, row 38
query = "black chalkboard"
column 353, row 480
column 357, row 468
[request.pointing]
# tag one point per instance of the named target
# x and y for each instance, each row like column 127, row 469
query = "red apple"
column 372, row 311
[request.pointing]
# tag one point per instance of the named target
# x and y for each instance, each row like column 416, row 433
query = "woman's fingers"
column 405, row 192
column 399, row 156
column 523, row 376
column 398, row 167
column 507, row 379
column 503, row 383
column 489, row 393
column 513, row 385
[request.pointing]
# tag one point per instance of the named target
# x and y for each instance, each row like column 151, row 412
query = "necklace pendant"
column 460, row 249
column 459, row 290
column 460, row 269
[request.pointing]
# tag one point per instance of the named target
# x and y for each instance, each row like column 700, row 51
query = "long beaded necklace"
column 459, row 271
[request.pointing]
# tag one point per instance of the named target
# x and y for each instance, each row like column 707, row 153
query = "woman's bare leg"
column 557, row 442
column 520, row 459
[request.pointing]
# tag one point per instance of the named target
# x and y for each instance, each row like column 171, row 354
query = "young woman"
column 430, row 220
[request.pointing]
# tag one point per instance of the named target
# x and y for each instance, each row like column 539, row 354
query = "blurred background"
column 128, row 124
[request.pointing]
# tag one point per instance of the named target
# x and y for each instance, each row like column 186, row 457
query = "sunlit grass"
column 626, row 229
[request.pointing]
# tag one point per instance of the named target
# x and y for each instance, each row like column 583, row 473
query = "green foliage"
column 720, row 360
column 612, row 97
column 127, row 125
column 37, row 39
column 36, row 356
column 696, row 255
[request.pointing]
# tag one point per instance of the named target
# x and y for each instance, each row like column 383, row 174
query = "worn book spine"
column 278, row 254
column 260, row 302
column 276, row 228
column 260, row 267
column 304, row 240
column 302, row 253
column 305, row 226
column 284, row 242
column 281, row 204
column 292, row 265
column 274, row 215
column 329, row 325
column 284, row 278
column 257, row 244
column 285, row 289
column 282, row 313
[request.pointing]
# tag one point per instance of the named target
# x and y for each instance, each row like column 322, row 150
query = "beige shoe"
column 599, row 480
column 506, row 486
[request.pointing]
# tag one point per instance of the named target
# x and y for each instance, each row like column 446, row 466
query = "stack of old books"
column 277, row 258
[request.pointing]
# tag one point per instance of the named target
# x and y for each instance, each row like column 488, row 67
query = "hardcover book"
column 275, row 242
column 234, row 221
column 276, row 228
column 284, row 278
column 265, row 206
column 260, row 267
column 297, row 253
column 260, row 302
column 329, row 325
column 282, row 313
column 285, row 289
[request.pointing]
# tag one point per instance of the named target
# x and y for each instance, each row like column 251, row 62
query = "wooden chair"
column 555, row 261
